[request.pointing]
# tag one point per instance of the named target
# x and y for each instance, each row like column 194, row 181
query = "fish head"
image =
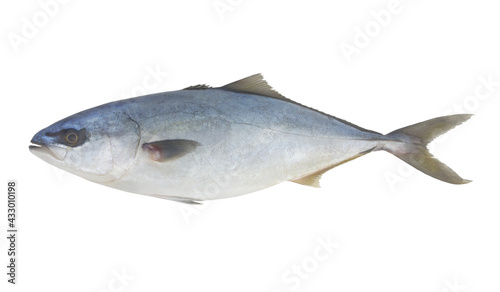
column 99, row 145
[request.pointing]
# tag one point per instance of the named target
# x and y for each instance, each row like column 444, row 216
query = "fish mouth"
column 36, row 145
column 40, row 149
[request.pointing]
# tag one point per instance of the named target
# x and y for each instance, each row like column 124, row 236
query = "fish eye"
column 71, row 138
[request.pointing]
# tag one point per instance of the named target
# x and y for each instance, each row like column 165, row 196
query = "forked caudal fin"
column 410, row 145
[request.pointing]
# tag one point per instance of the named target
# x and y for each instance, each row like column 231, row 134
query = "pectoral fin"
column 167, row 150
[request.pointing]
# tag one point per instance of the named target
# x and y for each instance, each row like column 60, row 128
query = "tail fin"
column 413, row 148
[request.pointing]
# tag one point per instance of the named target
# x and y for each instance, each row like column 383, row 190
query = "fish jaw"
column 45, row 147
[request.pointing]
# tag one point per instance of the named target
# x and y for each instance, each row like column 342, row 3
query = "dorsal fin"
column 199, row 86
column 254, row 84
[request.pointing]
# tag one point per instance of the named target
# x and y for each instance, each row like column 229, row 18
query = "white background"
column 396, row 229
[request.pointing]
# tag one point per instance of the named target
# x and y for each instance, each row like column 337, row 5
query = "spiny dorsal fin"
column 199, row 86
column 254, row 84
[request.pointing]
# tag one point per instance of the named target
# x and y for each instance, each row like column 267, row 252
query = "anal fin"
column 312, row 179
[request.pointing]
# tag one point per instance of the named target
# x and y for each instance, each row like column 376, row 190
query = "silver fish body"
column 206, row 143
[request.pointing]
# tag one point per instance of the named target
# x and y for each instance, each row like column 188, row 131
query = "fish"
column 205, row 143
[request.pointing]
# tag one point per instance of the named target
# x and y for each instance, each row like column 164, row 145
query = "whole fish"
column 204, row 143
